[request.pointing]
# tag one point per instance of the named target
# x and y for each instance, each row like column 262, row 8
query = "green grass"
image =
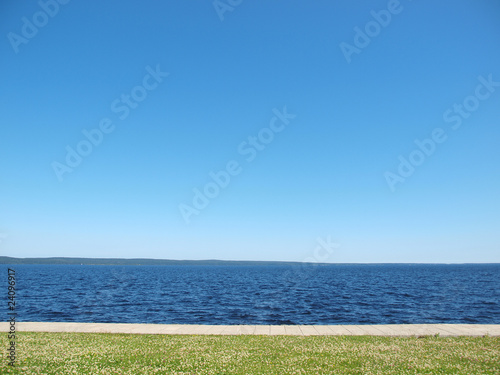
column 96, row 353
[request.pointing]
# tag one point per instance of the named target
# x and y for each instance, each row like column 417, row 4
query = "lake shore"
column 400, row 330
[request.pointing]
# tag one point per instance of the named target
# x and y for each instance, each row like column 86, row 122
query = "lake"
column 331, row 294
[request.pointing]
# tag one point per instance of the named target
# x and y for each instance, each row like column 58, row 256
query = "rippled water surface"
column 336, row 294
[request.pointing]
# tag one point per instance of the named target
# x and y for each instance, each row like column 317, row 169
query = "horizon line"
column 4, row 257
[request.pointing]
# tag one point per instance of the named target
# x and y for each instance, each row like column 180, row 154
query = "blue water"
column 336, row 294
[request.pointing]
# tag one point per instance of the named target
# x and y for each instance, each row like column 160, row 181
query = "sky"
column 335, row 131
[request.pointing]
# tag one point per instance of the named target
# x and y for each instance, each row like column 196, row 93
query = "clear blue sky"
column 330, row 172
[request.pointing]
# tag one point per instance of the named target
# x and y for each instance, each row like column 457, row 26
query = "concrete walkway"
column 291, row 330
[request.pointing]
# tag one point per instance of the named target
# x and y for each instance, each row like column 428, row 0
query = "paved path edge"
column 404, row 330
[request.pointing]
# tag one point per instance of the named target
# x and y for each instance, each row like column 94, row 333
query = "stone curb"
column 404, row 330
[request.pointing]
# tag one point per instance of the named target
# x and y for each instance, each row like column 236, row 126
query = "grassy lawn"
column 96, row 353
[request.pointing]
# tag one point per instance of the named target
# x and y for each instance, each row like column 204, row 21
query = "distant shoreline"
column 173, row 262
column 140, row 262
